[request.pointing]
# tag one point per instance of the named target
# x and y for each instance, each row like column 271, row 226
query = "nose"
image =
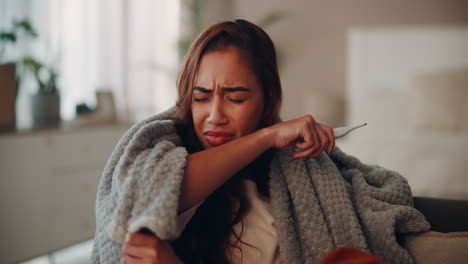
column 217, row 115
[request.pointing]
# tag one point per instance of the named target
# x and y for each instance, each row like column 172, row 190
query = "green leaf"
column 51, row 84
column 32, row 64
column 8, row 36
column 26, row 26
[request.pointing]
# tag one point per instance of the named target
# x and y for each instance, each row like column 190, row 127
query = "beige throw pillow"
column 438, row 248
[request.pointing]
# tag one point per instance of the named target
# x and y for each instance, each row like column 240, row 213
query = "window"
column 128, row 47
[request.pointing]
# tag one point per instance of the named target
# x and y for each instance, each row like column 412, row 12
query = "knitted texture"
column 318, row 204
column 327, row 202
column 140, row 187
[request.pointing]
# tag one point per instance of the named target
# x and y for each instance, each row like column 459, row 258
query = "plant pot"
column 8, row 88
column 45, row 110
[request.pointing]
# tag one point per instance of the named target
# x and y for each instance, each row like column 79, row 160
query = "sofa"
column 447, row 241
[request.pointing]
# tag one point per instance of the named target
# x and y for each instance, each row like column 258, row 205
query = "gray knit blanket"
column 318, row 204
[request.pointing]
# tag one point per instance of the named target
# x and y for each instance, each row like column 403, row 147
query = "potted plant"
column 45, row 104
column 9, row 82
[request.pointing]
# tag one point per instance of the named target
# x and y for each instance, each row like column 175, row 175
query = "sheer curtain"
column 128, row 47
column 153, row 33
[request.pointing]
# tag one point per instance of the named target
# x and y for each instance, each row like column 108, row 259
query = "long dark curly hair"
column 206, row 237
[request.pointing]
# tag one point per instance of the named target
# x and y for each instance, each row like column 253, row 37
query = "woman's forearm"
column 207, row 170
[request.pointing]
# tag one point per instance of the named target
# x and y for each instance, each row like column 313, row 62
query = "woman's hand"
column 142, row 248
column 303, row 133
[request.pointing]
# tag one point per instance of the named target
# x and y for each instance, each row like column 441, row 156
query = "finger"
column 324, row 139
column 307, row 152
column 303, row 154
column 314, row 138
column 317, row 149
column 311, row 140
column 316, row 134
column 139, row 251
column 331, row 145
column 307, row 139
column 331, row 136
column 140, row 239
column 315, row 153
column 310, row 153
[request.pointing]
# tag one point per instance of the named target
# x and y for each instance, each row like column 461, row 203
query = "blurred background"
column 75, row 74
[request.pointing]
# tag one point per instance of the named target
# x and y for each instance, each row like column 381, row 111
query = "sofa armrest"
column 444, row 215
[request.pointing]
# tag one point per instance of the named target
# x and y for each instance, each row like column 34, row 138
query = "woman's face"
column 227, row 98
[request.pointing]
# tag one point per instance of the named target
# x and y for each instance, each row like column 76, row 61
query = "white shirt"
column 259, row 229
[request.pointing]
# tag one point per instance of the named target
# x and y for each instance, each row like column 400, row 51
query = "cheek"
column 197, row 118
column 249, row 118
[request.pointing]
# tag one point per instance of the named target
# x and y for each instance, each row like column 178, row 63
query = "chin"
column 206, row 146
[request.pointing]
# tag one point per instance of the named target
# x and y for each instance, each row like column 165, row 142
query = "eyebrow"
column 226, row 89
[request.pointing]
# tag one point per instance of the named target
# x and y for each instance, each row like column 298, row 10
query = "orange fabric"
column 348, row 255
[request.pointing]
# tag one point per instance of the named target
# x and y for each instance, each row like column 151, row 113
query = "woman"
column 227, row 117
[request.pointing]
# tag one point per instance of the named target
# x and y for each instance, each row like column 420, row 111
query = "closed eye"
column 237, row 101
column 200, row 99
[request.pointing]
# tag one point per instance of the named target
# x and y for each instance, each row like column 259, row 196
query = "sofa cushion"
column 435, row 247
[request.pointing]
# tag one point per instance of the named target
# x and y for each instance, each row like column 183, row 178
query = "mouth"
column 216, row 138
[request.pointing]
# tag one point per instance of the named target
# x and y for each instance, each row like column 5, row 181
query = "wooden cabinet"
column 48, row 185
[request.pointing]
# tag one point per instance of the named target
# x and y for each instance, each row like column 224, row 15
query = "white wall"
column 312, row 42
column 410, row 84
